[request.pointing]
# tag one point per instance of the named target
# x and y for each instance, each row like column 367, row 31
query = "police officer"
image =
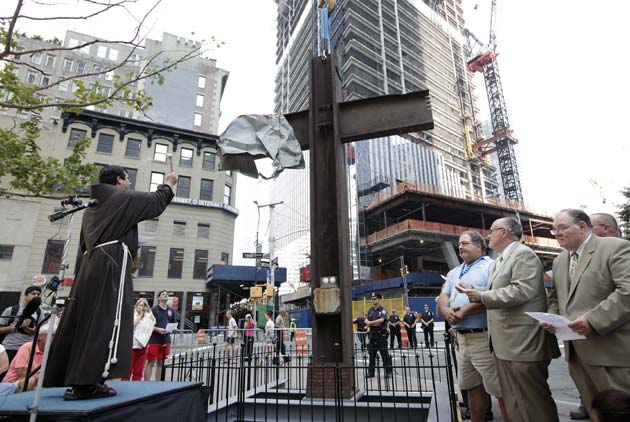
column 427, row 320
column 409, row 321
column 377, row 321
column 394, row 329
column 361, row 330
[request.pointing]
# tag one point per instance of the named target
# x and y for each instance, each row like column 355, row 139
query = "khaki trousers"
column 590, row 379
column 526, row 393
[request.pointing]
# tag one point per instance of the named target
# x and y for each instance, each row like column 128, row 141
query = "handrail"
column 450, row 229
column 402, row 187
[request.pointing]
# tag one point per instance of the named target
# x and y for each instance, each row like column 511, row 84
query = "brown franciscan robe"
column 81, row 344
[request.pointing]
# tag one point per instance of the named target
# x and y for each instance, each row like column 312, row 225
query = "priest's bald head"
column 115, row 175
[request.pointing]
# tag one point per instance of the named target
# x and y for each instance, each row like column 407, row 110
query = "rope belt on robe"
column 112, row 356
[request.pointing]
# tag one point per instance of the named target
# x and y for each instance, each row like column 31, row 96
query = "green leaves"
column 30, row 173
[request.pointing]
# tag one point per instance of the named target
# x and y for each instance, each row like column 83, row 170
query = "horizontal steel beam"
column 373, row 117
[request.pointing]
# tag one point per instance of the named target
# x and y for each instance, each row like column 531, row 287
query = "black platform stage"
column 135, row 401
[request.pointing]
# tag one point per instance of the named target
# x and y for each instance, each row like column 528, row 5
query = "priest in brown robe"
column 94, row 340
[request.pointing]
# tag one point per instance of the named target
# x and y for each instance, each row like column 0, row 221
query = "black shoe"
column 488, row 417
column 369, row 376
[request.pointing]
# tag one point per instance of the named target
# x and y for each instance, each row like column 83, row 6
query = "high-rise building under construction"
column 385, row 47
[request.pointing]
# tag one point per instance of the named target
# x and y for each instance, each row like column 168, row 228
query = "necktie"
column 572, row 264
column 497, row 264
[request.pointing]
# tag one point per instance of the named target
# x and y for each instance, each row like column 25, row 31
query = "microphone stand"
column 34, row 409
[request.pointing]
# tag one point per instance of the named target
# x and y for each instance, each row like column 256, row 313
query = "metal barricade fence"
column 260, row 381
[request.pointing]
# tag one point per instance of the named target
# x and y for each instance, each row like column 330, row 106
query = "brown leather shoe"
column 579, row 414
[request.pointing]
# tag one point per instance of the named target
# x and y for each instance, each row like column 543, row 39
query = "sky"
column 563, row 66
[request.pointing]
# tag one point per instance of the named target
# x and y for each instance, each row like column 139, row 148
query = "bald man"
column 605, row 225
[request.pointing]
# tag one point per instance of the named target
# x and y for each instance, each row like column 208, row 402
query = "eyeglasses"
column 494, row 230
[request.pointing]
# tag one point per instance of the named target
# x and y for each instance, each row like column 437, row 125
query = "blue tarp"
column 303, row 317
column 397, row 282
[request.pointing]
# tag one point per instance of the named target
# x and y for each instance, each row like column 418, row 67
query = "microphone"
column 30, row 308
column 61, row 214
column 56, row 216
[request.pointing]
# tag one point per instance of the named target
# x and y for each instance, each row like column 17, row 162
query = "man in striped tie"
column 592, row 289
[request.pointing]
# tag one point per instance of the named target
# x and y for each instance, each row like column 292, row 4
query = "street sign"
column 255, row 255
column 264, row 264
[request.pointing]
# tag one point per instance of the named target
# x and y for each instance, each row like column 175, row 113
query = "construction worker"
column 292, row 327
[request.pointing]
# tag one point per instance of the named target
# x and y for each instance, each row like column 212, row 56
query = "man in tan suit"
column 522, row 349
column 605, row 225
column 592, row 289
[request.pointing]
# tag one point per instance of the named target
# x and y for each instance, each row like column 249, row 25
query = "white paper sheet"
column 560, row 323
column 170, row 327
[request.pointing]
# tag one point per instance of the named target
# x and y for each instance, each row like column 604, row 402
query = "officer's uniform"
column 410, row 318
column 361, row 331
column 378, row 340
column 428, row 329
column 394, row 331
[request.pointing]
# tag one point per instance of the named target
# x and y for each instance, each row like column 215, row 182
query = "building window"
column 201, row 82
column 206, row 189
column 45, row 81
column 67, row 65
column 75, row 136
column 31, row 78
column 157, row 179
column 17, row 55
column 6, row 252
column 201, row 264
column 183, row 187
column 152, row 225
column 52, row 257
column 132, row 173
column 105, row 143
column 186, row 157
column 133, row 148
column 208, row 161
column 125, row 113
column 179, row 228
column 175, row 263
column 227, row 194
column 64, row 85
column 36, row 58
column 113, row 54
column 80, row 68
column 199, row 102
column 98, row 70
column 102, row 51
column 50, row 60
column 109, row 75
column 197, row 119
column 225, row 258
column 147, row 261
column 203, row 231
column 160, row 153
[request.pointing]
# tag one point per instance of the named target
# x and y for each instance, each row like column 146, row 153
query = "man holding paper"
column 522, row 349
column 164, row 320
column 477, row 368
column 592, row 289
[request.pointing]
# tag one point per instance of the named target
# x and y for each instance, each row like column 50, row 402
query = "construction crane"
column 502, row 142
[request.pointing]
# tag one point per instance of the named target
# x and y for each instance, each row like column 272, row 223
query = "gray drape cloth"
column 250, row 137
